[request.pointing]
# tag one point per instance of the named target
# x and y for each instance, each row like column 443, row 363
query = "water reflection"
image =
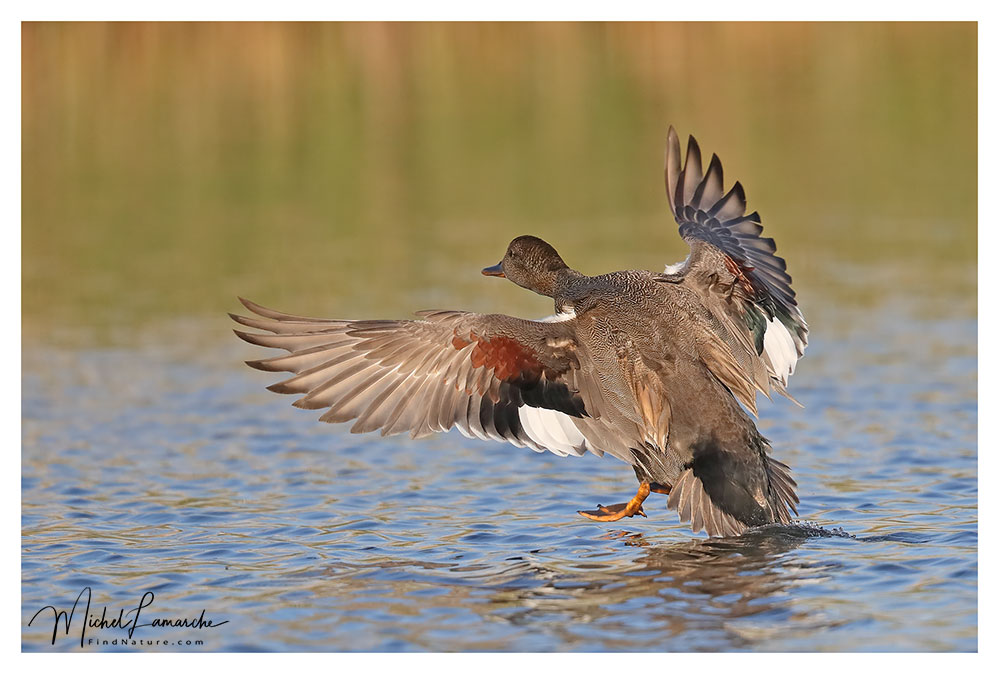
column 704, row 586
column 685, row 595
column 218, row 497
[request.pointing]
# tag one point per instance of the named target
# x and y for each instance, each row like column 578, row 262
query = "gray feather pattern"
column 722, row 224
column 714, row 338
column 397, row 376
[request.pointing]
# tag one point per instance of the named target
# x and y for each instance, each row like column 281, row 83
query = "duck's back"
column 635, row 326
column 666, row 364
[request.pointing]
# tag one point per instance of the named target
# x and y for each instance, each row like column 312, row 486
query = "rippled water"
column 369, row 170
column 167, row 468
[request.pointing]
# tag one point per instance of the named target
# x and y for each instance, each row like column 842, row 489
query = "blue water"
column 164, row 466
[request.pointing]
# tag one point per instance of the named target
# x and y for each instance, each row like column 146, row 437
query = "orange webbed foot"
column 613, row 513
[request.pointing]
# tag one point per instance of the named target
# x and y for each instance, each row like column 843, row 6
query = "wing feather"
column 449, row 369
column 736, row 269
column 377, row 412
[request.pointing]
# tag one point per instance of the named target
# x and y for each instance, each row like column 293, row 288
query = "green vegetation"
column 372, row 169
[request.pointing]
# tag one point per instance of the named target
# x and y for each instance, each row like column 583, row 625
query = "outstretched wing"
column 491, row 376
column 744, row 282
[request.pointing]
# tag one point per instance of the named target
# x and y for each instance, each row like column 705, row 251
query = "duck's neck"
column 564, row 286
column 563, row 279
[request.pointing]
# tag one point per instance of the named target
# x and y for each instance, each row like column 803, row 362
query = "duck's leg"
column 613, row 513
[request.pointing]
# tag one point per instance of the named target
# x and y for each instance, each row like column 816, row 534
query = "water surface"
column 169, row 469
column 371, row 170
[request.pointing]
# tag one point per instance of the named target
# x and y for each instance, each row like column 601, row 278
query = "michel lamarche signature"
column 125, row 620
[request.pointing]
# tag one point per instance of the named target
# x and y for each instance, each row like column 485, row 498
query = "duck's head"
column 530, row 263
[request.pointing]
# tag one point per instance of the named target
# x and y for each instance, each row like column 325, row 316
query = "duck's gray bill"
column 495, row 270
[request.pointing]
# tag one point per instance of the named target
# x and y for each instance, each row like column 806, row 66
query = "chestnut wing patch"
column 741, row 270
column 524, row 379
column 507, row 357
column 492, row 377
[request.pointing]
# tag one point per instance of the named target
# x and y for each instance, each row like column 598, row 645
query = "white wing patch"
column 559, row 317
column 546, row 429
column 553, row 431
column 678, row 267
column 779, row 348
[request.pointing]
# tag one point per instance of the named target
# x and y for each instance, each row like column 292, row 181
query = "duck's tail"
column 723, row 492
column 729, row 509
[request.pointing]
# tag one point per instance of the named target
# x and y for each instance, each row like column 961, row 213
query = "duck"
column 660, row 370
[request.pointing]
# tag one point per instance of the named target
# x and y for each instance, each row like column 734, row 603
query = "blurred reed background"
column 373, row 169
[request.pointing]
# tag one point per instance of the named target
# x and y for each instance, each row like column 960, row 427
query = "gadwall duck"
column 650, row 368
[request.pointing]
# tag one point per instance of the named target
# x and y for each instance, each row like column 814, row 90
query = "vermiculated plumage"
column 648, row 367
